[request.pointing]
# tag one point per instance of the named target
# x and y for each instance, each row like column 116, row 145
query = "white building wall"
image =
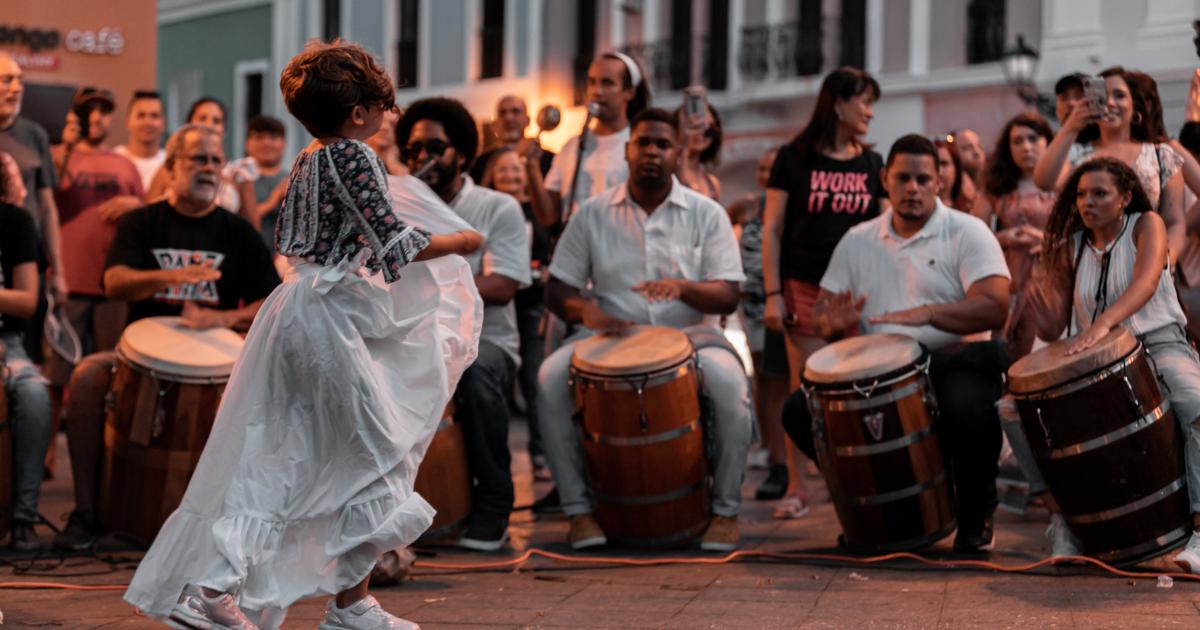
column 927, row 86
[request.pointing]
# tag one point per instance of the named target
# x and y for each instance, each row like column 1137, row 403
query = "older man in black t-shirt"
column 184, row 256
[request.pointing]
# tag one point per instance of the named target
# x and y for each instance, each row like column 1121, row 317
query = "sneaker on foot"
column 548, row 504
column 976, row 535
column 197, row 611
column 586, row 533
column 775, row 485
column 1062, row 542
column 23, row 537
column 364, row 614
column 79, row 534
column 1189, row 558
column 486, row 532
column 792, row 506
column 721, row 535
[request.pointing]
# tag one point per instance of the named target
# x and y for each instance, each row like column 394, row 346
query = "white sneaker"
column 196, row 611
column 365, row 614
column 1062, row 542
column 1189, row 558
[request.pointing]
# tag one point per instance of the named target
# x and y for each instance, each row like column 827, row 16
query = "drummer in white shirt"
column 655, row 253
column 183, row 256
column 922, row 270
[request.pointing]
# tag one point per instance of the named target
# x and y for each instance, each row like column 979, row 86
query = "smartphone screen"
column 694, row 101
column 1095, row 95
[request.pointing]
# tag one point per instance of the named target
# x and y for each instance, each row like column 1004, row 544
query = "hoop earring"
column 1137, row 118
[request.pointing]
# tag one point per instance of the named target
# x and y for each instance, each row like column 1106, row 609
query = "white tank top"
column 1091, row 299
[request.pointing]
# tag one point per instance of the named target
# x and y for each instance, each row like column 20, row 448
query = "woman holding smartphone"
column 810, row 206
column 1128, row 128
column 700, row 132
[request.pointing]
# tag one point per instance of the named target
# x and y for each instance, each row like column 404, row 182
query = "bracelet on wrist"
column 775, row 292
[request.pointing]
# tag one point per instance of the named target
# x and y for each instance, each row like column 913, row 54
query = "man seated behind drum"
column 655, row 253
column 184, row 256
column 925, row 271
column 442, row 130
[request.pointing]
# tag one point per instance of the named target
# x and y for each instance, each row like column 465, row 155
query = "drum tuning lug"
column 160, row 413
column 1137, row 405
column 1045, row 431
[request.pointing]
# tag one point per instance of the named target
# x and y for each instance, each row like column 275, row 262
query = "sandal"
column 790, row 507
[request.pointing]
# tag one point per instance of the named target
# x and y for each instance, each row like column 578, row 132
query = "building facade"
column 937, row 61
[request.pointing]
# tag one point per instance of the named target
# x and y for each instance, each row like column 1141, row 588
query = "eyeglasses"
column 432, row 148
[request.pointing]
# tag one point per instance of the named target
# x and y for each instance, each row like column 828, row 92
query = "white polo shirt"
column 616, row 244
column 498, row 217
column 604, row 167
column 934, row 266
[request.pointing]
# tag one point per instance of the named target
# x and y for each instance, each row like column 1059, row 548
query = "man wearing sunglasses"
column 438, row 140
column 184, row 256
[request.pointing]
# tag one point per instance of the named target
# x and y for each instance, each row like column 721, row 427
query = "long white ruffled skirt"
column 308, row 474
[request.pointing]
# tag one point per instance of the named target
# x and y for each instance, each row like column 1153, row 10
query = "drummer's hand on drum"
column 192, row 274
column 664, row 290
column 596, row 319
column 1088, row 338
column 839, row 312
column 919, row 316
column 200, row 318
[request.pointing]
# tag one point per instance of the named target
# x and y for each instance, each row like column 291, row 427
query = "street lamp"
column 1020, row 65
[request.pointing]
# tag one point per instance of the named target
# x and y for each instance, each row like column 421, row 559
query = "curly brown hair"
column 322, row 85
column 1057, row 260
column 1001, row 175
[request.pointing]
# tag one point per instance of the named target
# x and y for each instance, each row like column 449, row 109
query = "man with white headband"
column 616, row 91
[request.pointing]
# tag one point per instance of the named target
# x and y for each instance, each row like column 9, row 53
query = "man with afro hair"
column 438, row 139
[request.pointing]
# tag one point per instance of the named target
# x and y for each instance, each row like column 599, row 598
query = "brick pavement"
column 754, row 595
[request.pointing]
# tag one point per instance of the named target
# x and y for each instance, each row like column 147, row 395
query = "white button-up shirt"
column 498, row 217
column 616, row 244
column 934, row 266
column 604, row 167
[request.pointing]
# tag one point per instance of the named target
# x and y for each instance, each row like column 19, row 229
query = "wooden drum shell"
column 444, row 479
column 649, row 482
column 1107, row 446
column 155, row 429
column 882, row 461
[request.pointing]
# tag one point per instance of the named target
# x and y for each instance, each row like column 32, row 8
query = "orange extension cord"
column 736, row 555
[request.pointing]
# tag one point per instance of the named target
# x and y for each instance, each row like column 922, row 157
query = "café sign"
column 40, row 44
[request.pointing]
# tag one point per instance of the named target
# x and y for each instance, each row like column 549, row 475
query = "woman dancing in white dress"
column 307, row 477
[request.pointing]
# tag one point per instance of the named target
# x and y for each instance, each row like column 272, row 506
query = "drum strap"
column 709, row 337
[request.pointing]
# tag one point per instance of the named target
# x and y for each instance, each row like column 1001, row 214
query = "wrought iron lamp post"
column 1020, row 65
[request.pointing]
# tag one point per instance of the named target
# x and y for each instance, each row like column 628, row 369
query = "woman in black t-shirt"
column 824, row 182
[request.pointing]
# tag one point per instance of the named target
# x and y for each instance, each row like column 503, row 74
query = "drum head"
column 164, row 345
column 641, row 349
column 1050, row 367
column 861, row 357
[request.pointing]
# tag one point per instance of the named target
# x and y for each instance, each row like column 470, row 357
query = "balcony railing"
column 778, row 51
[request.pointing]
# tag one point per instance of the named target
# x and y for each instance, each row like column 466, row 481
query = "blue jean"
column 481, row 408
column 29, row 414
column 533, row 351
